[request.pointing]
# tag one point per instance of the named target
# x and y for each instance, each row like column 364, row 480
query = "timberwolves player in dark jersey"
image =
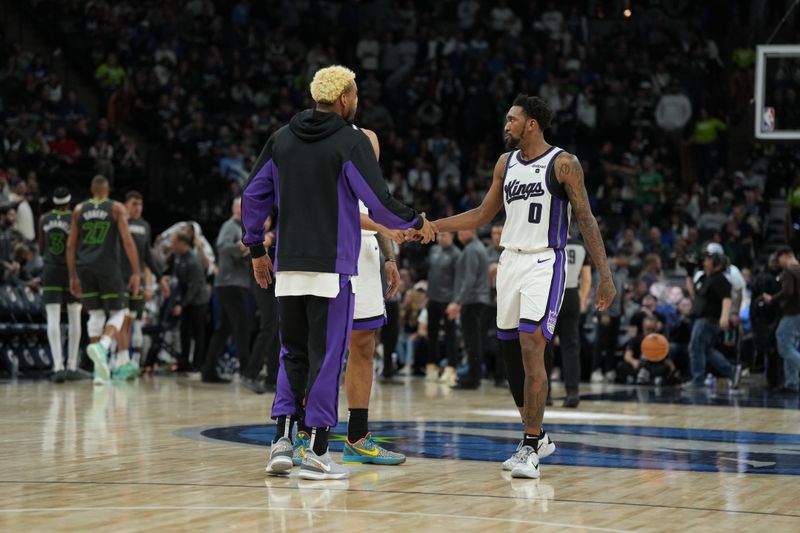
column 541, row 187
column 94, row 271
column 142, row 237
column 53, row 234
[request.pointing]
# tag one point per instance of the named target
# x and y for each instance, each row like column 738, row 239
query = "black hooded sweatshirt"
column 314, row 171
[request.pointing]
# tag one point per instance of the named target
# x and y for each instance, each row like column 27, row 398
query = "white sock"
column 105, row 342
column 53, row 312
column 123, row 357
column 74, row 338
column 137, row 341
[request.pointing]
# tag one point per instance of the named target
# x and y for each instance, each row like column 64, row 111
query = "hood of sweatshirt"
column 313, row 126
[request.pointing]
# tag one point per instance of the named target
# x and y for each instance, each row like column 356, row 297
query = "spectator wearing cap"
column 788, row 333
column 731, row 273
column 711, row 313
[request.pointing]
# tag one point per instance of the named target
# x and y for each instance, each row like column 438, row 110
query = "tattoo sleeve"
column 385, row 244
column 570, row 174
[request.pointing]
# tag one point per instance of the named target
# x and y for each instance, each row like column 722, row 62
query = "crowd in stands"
column 648, row 104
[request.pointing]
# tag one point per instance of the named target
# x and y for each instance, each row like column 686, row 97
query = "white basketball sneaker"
column 528, row 467
column 546, row 448
column 319, row 467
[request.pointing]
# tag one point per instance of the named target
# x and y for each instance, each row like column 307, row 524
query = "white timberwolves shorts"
column 530, row 289
column 370, row 312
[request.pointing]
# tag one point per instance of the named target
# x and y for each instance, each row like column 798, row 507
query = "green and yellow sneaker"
column 125, row 372
column 367, row 450
column 301, row 442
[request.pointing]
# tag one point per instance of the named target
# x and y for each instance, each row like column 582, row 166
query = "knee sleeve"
column 97, row 319
column 117, row 318
column 515, row 371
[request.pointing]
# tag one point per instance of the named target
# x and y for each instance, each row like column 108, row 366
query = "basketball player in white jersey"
column 368, row 317
column 540, row 187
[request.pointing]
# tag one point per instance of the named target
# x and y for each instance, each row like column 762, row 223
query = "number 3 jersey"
column 97, row 235
column 537, row 208
column 55, row 228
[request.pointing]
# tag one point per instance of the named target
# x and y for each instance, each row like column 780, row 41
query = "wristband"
column 392, row 259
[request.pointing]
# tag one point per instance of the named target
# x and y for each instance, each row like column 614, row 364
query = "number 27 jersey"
column 537, row 208
column 97, row 234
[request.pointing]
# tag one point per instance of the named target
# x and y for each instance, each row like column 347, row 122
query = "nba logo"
column 768, row 119
column 552, row 318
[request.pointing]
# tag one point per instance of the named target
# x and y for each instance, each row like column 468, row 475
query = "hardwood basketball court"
column 173, row 454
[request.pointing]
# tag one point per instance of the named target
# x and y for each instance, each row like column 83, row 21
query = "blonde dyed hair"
column 330, row 83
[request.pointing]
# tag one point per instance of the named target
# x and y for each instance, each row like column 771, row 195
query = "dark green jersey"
column 140, row 231
column 98, row 236
column 55, row 228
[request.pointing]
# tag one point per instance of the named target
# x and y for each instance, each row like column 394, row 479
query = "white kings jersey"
column 537, row 208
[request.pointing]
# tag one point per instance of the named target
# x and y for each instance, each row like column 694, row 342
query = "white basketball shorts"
column 530, row 289
column 370, row 312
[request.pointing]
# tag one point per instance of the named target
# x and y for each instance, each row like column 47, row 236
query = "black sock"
column 283, row 427
column 319, row 440
column 530, row 440
column 358, row 425
column 301, row 426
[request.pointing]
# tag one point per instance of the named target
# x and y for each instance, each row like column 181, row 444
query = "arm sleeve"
column 364, row 177
column 258, row 199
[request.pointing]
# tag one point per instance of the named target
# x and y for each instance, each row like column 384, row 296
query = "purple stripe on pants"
column 284, row 403
column 322, row 403
column 326, row 342
column 556, row 295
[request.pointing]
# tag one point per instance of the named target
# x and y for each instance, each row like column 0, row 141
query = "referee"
column 577, row 287
column 314, row 171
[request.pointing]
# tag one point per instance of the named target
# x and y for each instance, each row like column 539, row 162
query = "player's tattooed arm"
column 385, row 244
column 484, row 213
column 570, row 174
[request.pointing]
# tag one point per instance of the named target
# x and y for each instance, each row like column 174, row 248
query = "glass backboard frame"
column 763, row 52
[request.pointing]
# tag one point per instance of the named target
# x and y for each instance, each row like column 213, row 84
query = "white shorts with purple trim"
column 370, row 311
column 530, row 290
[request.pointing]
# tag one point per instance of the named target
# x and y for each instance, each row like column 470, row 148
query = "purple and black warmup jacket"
column 314, row 171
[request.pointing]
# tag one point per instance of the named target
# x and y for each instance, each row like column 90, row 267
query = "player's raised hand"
column 428, row 232
column 262, row 268
column 397, row 235
column 605, row 294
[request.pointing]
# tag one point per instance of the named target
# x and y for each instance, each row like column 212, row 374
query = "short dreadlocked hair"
column 330, row 83
column 535, row 108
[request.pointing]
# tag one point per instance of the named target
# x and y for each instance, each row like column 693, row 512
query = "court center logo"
column 660, row 448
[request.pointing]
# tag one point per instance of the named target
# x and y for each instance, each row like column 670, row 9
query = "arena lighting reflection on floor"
column 745, row 397
column 606, row 446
